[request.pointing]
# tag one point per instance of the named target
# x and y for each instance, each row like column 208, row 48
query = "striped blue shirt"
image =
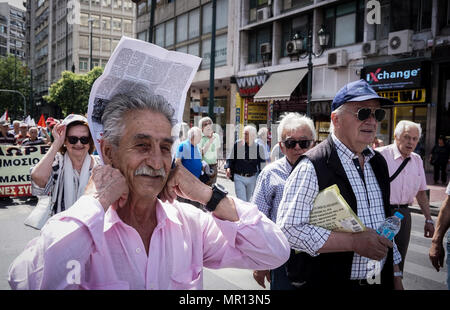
column 270, row 186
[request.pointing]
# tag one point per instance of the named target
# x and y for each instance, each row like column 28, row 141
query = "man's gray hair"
column 204, row 119
column 405, row 125
column 292, row 121
column 251, row 131
column 138, row 98
column 338, row 111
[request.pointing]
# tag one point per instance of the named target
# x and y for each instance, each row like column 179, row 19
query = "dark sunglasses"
column 74, row 140
column 365, row 113
column 291, row 143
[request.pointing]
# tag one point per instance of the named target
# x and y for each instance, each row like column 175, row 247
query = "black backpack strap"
column 405, row 161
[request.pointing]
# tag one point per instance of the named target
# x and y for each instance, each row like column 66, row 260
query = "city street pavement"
column 419, row 274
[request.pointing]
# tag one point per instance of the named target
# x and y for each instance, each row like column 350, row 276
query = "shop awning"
column 280, row 85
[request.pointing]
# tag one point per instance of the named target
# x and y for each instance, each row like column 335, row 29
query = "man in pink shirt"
column 120, row 235
column 408, row 183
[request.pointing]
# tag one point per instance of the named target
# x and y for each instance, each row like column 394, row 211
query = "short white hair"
column 338, row 111
column 262, row 131
column 402, row 126
column 194, row 130
column 251, row 130
column 292, row 121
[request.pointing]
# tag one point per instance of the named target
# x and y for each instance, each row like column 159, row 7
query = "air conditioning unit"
column 295, row 47
column 265, row 49
column 369, row 48
column 263, row 14
column 337, row 59
column 400, row 42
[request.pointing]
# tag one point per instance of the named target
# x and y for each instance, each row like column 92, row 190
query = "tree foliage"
column 71, row 92
column 14, row 75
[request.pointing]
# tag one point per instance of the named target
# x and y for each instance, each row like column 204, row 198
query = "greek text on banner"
column 15, row 164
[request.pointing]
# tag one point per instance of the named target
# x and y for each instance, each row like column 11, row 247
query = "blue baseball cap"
column 357, row 91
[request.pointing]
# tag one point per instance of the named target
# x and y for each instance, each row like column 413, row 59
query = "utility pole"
column 212, row 64
column 152, row 21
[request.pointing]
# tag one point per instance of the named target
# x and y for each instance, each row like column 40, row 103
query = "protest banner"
column 15, row 164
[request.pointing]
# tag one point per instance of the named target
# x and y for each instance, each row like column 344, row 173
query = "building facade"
column 59, row 38
column 185, row 26
column 12, row 31
column 400, row 47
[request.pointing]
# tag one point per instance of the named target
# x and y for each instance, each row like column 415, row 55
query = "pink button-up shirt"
column 410, row 181
column 86, row 248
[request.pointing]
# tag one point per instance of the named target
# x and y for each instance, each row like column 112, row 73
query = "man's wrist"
column 206, row 195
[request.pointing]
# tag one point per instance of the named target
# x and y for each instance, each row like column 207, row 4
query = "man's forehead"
column 148, row 136
column 372, row 103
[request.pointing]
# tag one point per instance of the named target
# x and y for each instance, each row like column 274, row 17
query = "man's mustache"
column 149, row 171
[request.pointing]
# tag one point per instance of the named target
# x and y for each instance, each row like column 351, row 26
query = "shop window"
column 255, row 39
column 413, row 14
column 254, row 6
column 345, row 22
column 298, row 25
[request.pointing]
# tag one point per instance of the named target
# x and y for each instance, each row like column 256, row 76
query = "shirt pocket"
column 187, row 280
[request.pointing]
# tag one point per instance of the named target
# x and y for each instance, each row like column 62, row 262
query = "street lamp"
column 90, row 20
column 324, row 38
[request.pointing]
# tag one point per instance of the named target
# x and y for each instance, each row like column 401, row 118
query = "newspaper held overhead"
column 136, row 63
column 332, row 212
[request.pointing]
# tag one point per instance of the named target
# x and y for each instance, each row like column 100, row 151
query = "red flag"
column 42, row 121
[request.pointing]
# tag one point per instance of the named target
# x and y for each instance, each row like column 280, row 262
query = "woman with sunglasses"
column 64, row 171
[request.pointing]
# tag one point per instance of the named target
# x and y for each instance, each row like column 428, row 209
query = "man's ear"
column 107, row 150
column 335, row 119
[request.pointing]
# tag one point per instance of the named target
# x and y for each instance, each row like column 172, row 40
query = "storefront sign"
column 403, row 75
column 248, row 86
column 15, row 164
column 256, row 111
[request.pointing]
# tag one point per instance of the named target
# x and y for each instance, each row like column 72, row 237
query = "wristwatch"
column 219, row 193
column 429, row 222
column 398, row 274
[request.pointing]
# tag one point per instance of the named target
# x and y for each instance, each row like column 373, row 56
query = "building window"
column 96, row 22
column 345, row 23
column 170, row 29
column 106, row 45
column 142, row 35
column 159, row 35
column 114, row 43
column 142, row 8
column 298, row 25
column 194, row 49
column 96, row 43
column 290, row 4
column 413, row 14
column 220, row 54
column 207, row 18
column 255, row 39
column 106, row 23
column 182, row 28
column 95, row 62
column 194, row 24
column 182, row 49
column 128, row 26
column 117, row 4
column 83, row 64
column 127, row 5
column 117, row 24
column 254, row 6
column 382, row 30
column 222, row 14
column 95, row 2
column 106, row 3
column 84, row 42
column 84, row 17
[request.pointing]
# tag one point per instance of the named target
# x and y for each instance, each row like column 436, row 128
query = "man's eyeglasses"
column 365, row 113
column 74, row 140
column 291, row 143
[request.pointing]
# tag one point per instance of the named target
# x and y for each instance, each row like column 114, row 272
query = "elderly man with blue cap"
column 321, row 258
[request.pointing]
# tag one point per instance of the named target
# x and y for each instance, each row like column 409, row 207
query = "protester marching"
column 138, row 203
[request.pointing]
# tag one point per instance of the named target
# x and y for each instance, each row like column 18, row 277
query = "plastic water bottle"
column 391, row 226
